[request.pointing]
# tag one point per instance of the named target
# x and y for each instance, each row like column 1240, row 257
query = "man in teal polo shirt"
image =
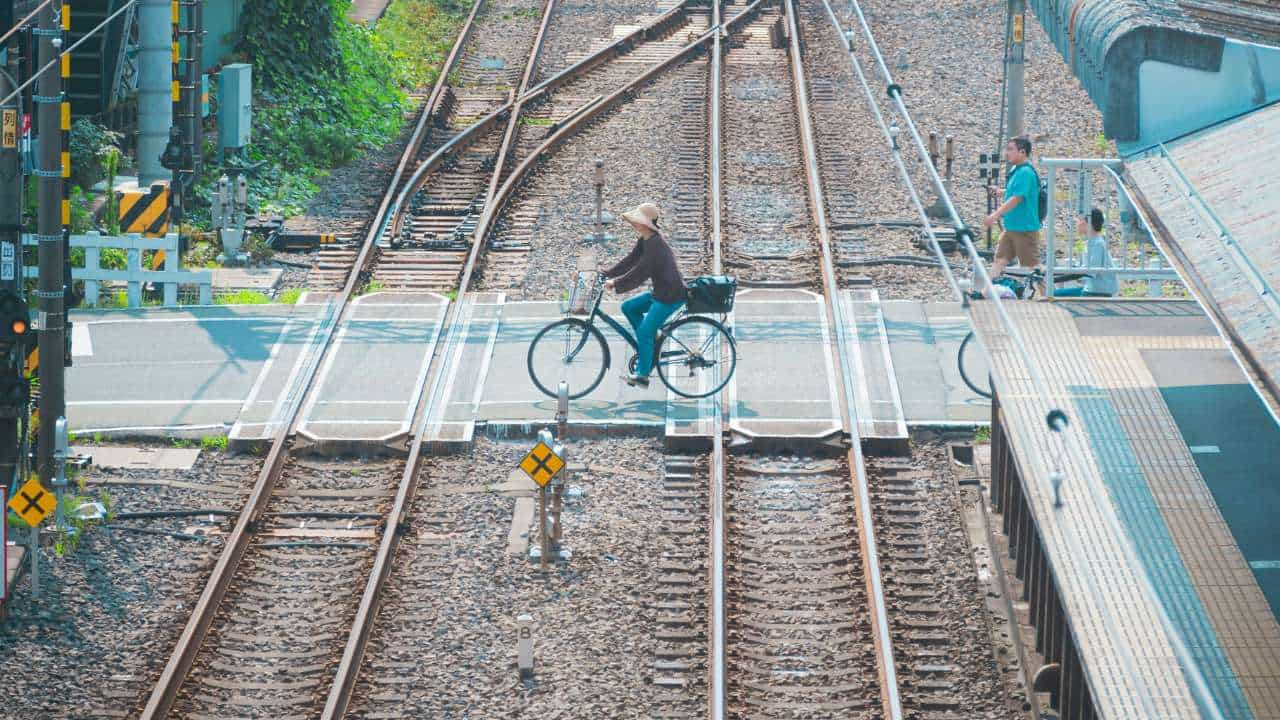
column 1020, row 211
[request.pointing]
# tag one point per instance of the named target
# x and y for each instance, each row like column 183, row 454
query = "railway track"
column 844, row 588
column 308, row 537
column 798, row 610
column 282, row 598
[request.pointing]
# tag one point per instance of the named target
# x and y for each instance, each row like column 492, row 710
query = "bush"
column 329, row 90
column 91, row 147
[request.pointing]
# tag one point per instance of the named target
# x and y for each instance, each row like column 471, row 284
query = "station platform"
column 207, row 370
column 1168, row 460
column 1216, row 223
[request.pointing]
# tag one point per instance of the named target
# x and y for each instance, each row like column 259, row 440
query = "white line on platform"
column 420, row 381
column 393, row 422
column 1204, row 449
column 197, row 401
column 266, row 367
column 1265, row 564
column 400, row 320
column 81, row 341
column 249, row 318
column 766, row 420
column 136, row 428
column 361, row 402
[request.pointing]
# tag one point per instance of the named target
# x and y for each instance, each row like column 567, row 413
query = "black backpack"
column 1043, row 208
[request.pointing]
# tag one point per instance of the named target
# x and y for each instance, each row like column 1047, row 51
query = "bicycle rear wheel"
column 696, row 357
column 961, row 362
column 568, row 350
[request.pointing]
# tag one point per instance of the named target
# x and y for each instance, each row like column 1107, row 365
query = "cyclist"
column 651, row 259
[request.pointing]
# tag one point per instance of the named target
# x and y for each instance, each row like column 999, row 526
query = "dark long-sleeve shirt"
column 650, row 259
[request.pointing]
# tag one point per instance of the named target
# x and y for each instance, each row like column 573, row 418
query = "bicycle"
column 687, row 352
column 1024, row 289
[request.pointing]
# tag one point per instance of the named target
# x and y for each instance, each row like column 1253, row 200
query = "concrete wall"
column 1174, row 100
column 221, row 23
column 1155, row 72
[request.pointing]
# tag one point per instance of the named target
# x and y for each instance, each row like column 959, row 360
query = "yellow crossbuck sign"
column 33, row 502
column 541, row 464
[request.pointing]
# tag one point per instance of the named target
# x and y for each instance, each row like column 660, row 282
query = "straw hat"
column 645, row 214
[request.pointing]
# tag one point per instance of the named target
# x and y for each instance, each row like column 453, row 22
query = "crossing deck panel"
column 370, row 381
column 786, row 383
column 1137, row 506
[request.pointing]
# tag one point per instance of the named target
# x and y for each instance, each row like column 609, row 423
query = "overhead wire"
column 30, row 16
column 1056, row 419
column 36, row 76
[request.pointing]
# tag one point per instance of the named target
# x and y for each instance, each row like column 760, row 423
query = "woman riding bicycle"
column 651, row 259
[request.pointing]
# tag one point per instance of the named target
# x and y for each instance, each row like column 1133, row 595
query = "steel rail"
column 883, row 642
column 477, row 129
column 341, row 691
column 608, row 103
column 189, row 643
column 715, row 489
column 517, row 104
column 1197, row 681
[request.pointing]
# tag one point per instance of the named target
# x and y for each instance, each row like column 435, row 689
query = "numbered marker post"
column 524, row 646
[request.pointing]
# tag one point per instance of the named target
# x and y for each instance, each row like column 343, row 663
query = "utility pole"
column 191, row 140
column 51, row 287
column 155, row 91
column 1015, row 68
column 10, row 241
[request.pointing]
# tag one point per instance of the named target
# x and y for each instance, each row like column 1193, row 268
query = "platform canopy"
column 1213, row 201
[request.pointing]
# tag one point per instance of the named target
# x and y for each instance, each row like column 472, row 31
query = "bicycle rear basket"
column 582, row 296
column 711, row 293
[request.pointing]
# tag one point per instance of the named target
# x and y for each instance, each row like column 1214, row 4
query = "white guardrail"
column 135, row 274
column 1129, row 241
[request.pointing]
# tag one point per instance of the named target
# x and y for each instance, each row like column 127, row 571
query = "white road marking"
column 81, row 341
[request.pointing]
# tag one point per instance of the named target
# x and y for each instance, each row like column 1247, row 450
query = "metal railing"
column 135, row 275
column 1136, row 256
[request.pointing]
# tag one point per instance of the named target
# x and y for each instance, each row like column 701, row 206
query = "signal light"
column 15, row 395
column 14, row 317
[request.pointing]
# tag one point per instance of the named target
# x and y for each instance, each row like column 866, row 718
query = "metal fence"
column 135, row 274
column 1075, row 186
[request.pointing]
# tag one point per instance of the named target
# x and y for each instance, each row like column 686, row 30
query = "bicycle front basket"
column 711, row 293
column 582, row 297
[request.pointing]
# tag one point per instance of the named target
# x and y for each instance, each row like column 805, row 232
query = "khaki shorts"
column 1023, row 245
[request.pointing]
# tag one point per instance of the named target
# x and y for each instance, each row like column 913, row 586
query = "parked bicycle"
column 1022, row 286
column 695, row 355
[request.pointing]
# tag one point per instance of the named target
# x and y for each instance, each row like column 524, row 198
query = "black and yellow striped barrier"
column 146, row 212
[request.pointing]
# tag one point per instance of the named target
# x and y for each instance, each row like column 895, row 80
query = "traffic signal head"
column 15, row 393
column 15, row 320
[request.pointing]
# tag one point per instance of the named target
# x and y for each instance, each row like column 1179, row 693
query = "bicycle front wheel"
column 569, row 351
column 696, row 357
column 962, row 362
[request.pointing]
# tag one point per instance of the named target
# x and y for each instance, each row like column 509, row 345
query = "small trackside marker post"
column 524, row 646
column 599, row 236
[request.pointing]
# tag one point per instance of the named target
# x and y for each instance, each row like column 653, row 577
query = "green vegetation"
column 536, row 121
column 373, row 287
column 983, row 436
column 214, row 443
column 66, row 543
column 243, row 297
column 330, row 90
column 290, row 296
column 92, row 149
